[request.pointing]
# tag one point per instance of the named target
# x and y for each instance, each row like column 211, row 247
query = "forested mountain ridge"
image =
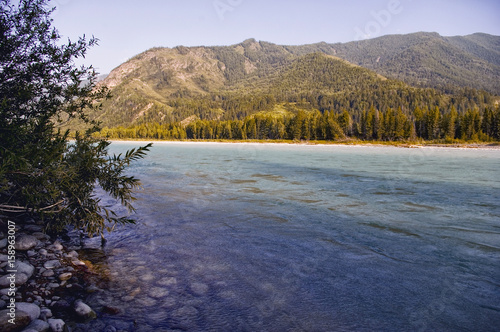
column 426, row 59
column 231, row 83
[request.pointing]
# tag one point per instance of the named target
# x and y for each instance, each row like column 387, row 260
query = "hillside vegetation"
column 406, row 74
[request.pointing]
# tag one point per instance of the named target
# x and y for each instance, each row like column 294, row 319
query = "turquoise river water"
column 268, row 237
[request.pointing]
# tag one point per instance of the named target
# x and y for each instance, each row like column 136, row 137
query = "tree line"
column 372, row 124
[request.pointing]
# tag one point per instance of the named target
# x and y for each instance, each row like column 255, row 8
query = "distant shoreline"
column 473, row 146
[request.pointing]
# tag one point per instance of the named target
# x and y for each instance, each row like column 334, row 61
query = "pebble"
column 65, row 276
column 147, row 301
column 48, row 273
column 56, row 325
column 167, row 281
column 127, row 298
column 77, row 262
column 56, row 246
column 3, row 243
column 147, row 277
column 72, row 254
column 52, row 264
column 45, row 313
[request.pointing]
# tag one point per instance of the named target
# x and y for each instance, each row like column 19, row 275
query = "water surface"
column 242, row 237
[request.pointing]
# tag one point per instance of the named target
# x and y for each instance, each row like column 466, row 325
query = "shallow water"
column 244, row 237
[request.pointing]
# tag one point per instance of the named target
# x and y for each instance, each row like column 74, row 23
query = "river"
column 276, row 237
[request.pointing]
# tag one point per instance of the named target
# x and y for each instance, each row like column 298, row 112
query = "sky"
column 126, row 28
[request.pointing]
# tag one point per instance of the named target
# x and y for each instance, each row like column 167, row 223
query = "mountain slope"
column 231, row 82
column 424, row 59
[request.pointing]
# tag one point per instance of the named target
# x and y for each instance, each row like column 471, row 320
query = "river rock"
column 52, row 264
column 56, row 325
column 83, row 310
column 31, row 309
column 26, row 242
column 65, row 276
column 37, row 325
column 24, row 268
column 77, row 262
column 22, row 320
column 72, row 253
column 24, row 272
column 3, row 243
column 56, row 246
column 4, row 258
column 48, row 273
column 45, row 313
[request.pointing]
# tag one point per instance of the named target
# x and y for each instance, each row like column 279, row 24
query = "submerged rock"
column 83, row 310
column 199, row 289
column 158, row 292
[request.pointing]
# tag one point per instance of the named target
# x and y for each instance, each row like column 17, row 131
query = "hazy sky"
column 126, row 28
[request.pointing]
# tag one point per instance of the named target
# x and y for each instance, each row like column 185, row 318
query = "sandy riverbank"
column 483, row 146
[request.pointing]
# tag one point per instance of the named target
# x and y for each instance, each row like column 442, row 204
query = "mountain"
column 424, row 59
column 231, row 82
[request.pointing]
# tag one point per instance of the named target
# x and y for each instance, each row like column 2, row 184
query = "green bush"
column 41, row 172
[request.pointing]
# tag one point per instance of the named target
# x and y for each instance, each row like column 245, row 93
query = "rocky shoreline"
column 49, row 284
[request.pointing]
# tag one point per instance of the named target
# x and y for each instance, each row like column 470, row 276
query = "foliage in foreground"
column 41, row 172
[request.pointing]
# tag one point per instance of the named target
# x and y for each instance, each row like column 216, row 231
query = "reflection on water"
column 300, row 238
